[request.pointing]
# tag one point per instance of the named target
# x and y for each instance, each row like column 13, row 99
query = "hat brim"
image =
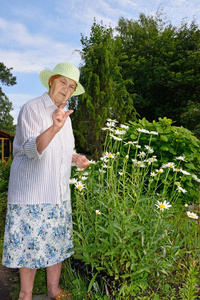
column 45, row 75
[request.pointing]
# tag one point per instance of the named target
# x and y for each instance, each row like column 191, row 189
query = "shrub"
column 128, row 219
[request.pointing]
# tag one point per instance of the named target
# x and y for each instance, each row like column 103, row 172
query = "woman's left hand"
column 81, row 161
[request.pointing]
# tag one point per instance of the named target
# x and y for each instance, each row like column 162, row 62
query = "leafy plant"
column 189, row 291
column 171, row 143
column 128, row 220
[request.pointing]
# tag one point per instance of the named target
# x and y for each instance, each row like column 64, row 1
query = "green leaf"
column 92, row 282
column 190, row 166
column 164, row 148
column 164, row 138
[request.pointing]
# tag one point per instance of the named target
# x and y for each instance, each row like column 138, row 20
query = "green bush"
column 171, row 143
column 4, row 178
column 128, row 215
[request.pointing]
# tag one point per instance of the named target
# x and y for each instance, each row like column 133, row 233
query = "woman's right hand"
column 59, row 116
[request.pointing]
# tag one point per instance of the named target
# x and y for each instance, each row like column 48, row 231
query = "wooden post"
column 2, row 149
column 10, row 149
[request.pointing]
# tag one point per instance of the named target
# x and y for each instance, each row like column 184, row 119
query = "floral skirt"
column 37, row 236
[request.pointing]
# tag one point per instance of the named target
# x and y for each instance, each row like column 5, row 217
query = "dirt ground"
column 7, row 276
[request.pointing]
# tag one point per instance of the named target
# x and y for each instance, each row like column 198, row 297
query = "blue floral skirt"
column 37, row 236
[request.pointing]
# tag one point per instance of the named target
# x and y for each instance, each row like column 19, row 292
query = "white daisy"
column 153, row 132
column 79, row 185
column 180, row 189
column 124, row 126
column 151, row 159
column 120, row 132
column 143, row 130
column 192, row 215
column 79, row 169
column 104, row 158
column 97, row 212
column 109, row 155
column 110, row 120
column 150, row 150
column 142, row 154
column 181, row 158
column 116, row 138
column 153, row 174
column 160, row 171
column 105, row 128
column 92, row 162
column 134, row 161
column 184, row 172
column 72, row 180
column 196, row 178
column 169, row 165
column 163, row 205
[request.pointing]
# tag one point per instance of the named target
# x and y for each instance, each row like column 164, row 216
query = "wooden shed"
column 6, row 146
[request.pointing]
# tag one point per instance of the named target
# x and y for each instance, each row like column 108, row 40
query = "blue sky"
column 38, row 34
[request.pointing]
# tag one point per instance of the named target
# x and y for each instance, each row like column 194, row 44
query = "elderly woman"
column 38, row 223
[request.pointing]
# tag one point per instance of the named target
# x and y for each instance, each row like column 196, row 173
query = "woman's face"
column 61, row 89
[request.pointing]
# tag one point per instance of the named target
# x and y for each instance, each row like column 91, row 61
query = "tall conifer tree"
column 106, row 94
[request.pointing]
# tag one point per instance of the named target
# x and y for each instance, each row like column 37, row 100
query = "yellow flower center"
column 190, row 215
column 109, row 155
column 79, row 187
column 159, row 171
column 162, row 206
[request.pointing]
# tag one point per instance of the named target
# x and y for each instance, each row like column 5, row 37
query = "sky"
column 38, row 34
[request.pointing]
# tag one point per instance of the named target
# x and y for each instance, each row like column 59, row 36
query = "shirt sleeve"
column 28, row 128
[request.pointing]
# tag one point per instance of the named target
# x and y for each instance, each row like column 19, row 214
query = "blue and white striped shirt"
column 40, row 178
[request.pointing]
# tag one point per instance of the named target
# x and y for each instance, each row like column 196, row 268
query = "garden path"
column 41, row 297
column 6, row 286
column 6, row 277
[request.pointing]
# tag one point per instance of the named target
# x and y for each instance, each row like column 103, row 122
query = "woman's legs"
column 53, row 279
column 27, row 277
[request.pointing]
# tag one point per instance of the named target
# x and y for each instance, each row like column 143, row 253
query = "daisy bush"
column 129, row 217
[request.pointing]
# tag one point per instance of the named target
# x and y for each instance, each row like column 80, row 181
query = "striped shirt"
column 40, row 178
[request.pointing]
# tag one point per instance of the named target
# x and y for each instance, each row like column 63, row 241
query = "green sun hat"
column 67, row 70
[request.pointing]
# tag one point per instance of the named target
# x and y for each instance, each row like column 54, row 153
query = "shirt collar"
column 47, row 101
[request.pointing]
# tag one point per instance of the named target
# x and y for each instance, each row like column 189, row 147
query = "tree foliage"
column 6, row 120
column 163, row 62
column 147, row 68
column 106, row 92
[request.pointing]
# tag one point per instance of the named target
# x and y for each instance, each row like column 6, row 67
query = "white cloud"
column 18, row 100
column 32, row 52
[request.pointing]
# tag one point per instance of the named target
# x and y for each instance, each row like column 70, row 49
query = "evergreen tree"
column 106, row 92
column 6, row 120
